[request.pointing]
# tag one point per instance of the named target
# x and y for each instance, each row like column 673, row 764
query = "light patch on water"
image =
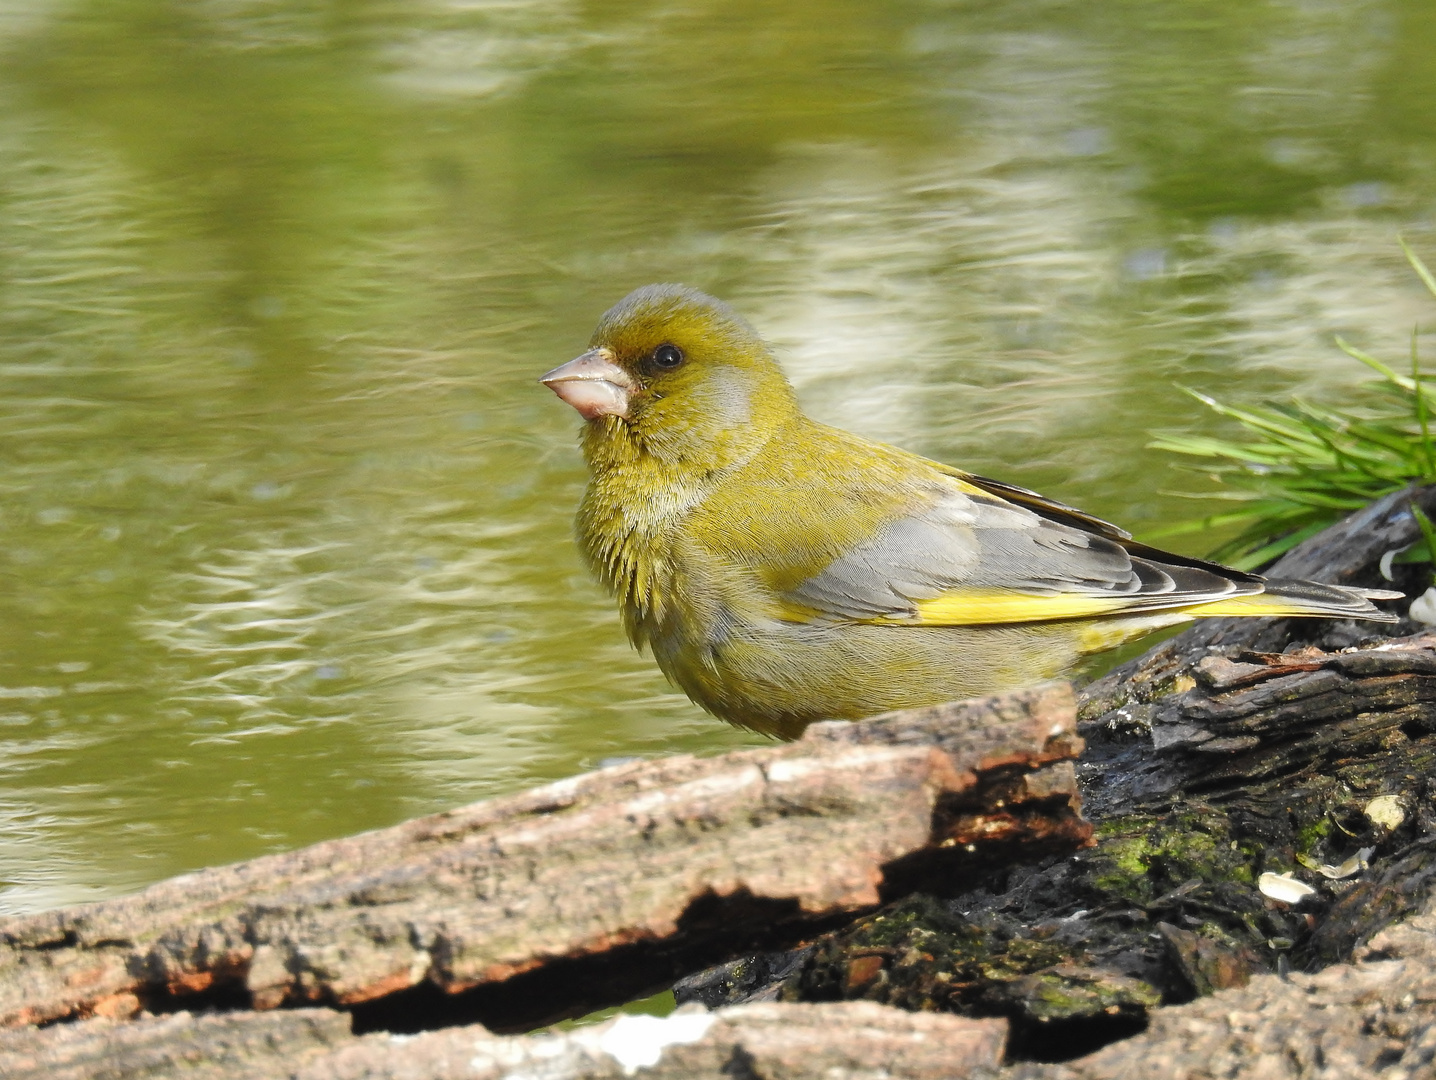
column 39, row 868
column 1302, row 77
column 20, row 19
column 485, row 48
column 245, row 25
column 906, row 300
column 1290, row 288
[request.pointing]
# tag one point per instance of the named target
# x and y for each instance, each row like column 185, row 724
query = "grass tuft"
column 1305, row 466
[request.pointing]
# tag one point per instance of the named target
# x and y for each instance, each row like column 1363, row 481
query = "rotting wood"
column 1238, row 748
column 781, row 1042
column 1374, row 1018
column 575, row 896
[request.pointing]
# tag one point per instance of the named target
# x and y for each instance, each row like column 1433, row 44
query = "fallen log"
column 579, row 895
column 791, row 1042
column 1371, row 1018
column 1226, row 771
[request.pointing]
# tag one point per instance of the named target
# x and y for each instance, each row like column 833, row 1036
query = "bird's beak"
column 593, row 384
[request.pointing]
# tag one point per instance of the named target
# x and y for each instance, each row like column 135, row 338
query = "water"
column 285, row 519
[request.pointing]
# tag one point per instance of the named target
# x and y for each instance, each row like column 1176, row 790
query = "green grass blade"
column 1403, row 381
column 1424, row 523
column 1277, row 548
column 1251, row 419
column 1418, row 265
column 1305, row 465
column 1421, row 417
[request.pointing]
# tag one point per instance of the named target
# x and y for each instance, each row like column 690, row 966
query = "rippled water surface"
column 284, row 518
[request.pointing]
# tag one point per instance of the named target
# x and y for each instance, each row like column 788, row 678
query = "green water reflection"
column 284, row 517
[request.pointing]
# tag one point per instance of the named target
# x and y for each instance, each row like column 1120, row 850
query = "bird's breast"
column 630, row 528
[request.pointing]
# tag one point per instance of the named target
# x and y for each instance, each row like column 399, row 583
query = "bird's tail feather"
column 1293, row 597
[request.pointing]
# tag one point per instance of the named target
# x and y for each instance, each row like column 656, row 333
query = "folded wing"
column 971, row 557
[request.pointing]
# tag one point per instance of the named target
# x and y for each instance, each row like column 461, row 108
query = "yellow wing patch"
column 986, row 607
column 975, row 607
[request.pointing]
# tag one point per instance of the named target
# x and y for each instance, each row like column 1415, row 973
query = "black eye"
column 667, row 357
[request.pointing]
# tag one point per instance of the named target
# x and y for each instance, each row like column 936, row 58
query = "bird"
column 782, row 571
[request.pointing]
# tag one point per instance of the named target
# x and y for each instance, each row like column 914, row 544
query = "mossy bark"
column 1240, row 748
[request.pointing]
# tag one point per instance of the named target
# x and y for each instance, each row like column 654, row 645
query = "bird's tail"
column 1293, row 597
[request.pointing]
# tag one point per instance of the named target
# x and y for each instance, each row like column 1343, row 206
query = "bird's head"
column 680, row 375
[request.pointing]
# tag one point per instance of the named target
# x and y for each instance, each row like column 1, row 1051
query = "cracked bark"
column 1376, row 1017
column 843, row 1041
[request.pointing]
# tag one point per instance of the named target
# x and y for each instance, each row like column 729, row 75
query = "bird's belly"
column 777, row 677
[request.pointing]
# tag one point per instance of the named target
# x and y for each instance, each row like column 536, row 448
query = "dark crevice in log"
column 1066, row 1040
column 713, row 926
column 221, row 997
column 974, row 837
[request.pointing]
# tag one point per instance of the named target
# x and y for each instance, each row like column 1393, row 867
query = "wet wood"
column 575, row 896
column 1374, row 1018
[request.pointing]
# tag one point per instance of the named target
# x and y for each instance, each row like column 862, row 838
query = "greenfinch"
column 783, row 571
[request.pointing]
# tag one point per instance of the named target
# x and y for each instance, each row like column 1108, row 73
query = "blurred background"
column 285, row 540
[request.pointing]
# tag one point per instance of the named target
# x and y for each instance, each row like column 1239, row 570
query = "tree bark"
column 576, row 896
column 856, row 1040
column 1373, row 1018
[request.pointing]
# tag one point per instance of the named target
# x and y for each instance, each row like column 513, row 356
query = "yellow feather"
column 985, row 607
column 979, row 607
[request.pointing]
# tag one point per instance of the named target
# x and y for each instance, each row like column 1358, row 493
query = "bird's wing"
column 1063, row 514
column 1041, row 505
column 974, row 558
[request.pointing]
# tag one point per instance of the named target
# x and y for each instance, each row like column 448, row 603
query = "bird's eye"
column 667, row 357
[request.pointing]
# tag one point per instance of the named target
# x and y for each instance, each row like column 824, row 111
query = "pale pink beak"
column 593, row 384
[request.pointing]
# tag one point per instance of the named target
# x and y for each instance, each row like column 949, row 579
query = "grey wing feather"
column 1044, row 507
column 960, row 540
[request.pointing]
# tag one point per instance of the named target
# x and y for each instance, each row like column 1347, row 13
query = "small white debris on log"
column 1423, row 608
column 1284, row 887
column 1386, row 811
